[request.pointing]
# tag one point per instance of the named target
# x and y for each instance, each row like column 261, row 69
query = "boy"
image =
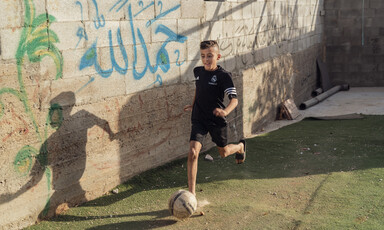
column 208, row 111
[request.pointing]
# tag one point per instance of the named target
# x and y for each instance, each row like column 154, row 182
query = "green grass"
column 310, row 175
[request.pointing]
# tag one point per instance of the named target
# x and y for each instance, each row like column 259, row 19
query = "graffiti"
column 178, row 63
column 162, row 59
column 245, row 42
column 248, row 38
column 23, row 161
column 99, row 21
column 158, row 81
column 121, row 5
column 90, row 57
column 86, row 84
column 163, row 62
column 55, row 116
column 36, row 42
column 81, row 31
column 143, row 8
column 162, row 14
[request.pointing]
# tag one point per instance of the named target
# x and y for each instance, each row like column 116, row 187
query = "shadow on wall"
column 271, row 88
column 292, row 76
column 274, row 66
column 62, row 157
column 153, row 128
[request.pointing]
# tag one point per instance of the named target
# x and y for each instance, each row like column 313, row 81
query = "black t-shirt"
column 211, row 87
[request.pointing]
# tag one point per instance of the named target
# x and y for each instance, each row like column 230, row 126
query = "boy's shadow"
column 159, row 219
column 62, row 157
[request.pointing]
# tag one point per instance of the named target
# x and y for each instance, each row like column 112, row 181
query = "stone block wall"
column 354, row 32
column 92, row 91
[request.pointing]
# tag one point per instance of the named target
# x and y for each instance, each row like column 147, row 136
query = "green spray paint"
column 163, row 59
column 36, row 42
column 24, row 159
column 55, row 116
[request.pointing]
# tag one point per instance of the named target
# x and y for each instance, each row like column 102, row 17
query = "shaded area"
column 156, row 220
column 339, row 117
column 155, row 214
column 61, row 159
column 292, row 75
column 293, row 167
column 354, row 42
column 152, row 224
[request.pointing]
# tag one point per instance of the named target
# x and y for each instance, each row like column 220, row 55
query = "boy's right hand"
column 187, row 108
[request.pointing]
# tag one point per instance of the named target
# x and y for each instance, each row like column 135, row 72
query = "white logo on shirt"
column 213, row 80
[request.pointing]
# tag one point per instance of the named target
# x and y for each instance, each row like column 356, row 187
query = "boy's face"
column 209, row 57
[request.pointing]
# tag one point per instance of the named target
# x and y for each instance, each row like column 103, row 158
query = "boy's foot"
column 240, row 157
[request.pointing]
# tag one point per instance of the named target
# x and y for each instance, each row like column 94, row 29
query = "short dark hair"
column 208, row 44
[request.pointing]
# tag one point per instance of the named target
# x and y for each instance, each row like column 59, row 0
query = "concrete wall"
column 355, row 41
column 92, row 92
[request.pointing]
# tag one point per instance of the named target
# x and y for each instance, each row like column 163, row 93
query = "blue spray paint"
column 99, row 18
column 162, row 58
column 158, row 80
column 172, row 36
column 162, row 14
column 121, row 6
column 85, row 85
column 122, row 50
column 178, row 63
column 144, row 8
column 81, row 34
column 90, row 57
column 81, row 31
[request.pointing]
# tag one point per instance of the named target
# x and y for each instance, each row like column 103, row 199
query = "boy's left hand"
column 220, row 112
column 188, row 108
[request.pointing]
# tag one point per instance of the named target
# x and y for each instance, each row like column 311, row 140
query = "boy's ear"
column 218, row 56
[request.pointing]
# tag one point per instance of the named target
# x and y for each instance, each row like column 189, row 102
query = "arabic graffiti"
column 163, row 62
column 38, row 41
column 81, row 31
column 99, row 20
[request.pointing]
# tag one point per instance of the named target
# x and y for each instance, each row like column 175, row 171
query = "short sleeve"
column 229, row 87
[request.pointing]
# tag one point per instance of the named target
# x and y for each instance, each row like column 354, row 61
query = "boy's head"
column 210, row 54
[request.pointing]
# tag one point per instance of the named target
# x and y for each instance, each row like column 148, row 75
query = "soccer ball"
column 182, row 204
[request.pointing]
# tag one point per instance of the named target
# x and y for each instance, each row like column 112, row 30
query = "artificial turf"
column 314, row 174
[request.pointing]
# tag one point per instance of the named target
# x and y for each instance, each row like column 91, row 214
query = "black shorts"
column 218, row 133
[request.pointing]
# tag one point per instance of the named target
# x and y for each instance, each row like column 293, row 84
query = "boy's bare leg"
column 231, row 149
column 193, row 155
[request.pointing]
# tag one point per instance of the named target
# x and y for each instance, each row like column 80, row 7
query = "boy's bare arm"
column 224, row 112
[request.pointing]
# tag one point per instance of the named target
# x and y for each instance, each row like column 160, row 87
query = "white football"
column 182, row 204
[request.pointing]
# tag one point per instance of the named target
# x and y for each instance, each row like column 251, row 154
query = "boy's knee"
column 193, row 154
